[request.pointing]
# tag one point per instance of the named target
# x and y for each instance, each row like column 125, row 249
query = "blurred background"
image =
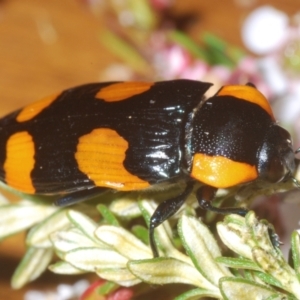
column 47, row 46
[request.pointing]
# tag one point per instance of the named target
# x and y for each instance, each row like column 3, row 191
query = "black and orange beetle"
column 134, row 136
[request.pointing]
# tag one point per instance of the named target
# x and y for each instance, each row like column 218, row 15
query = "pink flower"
column 248, row 70
column 196, row 71
column 161, row 4
column 172, row 61
column 92, row 293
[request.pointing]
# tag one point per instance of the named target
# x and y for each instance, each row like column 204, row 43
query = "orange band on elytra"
column 32, row 110
column 122, row 90
column 221, row 172
column 100, row 155
column 247, row 93
column 20, row 162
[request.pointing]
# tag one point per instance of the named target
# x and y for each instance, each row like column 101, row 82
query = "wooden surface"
column 46, row 46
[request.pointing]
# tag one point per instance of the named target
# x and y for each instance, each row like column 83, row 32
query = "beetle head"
column 276, row 158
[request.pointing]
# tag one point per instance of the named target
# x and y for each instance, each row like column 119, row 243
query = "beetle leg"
column 165, row 210
column 206, row 194
column 79, row 196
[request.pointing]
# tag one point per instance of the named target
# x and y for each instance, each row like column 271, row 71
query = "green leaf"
column 62, row 267
column 143, row 14
column 121, row 276
column 201, row 248
column 238, row 288
column 280, row 297
column 222, row 53
column 165, row 270
column 197, row 294
column 39, row 235
column 238, row 263
column 213, row 41
column 65, row 241
column 233, row 234
column 123, row 242
column 234, row 219
column 267, row 278
column 141, row 233
column 163, row 233
column 107, row 287
column 252, row 241
column 125, row 207
column 248, row 274
column 89, row 259
column 125, row 52
column 107, row 215
column 86, row 225
column 217, row 51
column 295, row 247
column 33, row 264
column 278, row 269
column 21, row 216
column 260, row 234
column 187, row 43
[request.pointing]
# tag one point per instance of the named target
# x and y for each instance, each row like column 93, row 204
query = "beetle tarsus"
column 206, row 194
column 165, row 210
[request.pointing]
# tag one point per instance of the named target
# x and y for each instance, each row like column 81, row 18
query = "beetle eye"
column 275, row 170
column 278, row 167
column 276, row 157
column 271, row 167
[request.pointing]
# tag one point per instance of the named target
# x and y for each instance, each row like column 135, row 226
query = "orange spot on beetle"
column 221, row 172
column 122, row 90
column 20, row 162
column 100, row 155
column 32, row 110
column 247, row 93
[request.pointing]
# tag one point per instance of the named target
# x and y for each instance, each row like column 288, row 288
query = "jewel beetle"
column 129, row 136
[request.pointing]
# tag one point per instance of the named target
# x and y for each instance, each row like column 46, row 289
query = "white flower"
column 62, row 292
column 265, row 29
